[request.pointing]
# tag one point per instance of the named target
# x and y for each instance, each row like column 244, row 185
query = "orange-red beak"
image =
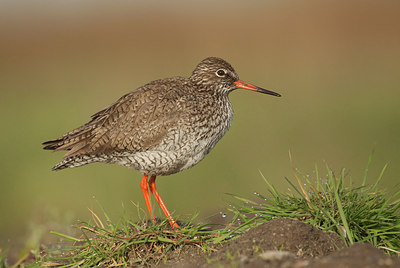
column 244, row 85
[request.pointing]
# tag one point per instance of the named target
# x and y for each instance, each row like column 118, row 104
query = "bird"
column 161, row 128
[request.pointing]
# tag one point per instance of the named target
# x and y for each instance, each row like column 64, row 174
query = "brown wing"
column 138, row 121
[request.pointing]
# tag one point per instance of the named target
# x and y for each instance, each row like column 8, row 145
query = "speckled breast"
column 185, row 144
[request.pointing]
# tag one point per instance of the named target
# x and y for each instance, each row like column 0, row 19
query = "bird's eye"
column 221, row 73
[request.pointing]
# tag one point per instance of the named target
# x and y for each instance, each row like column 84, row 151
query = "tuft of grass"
column 334, row 204
column 126, row 243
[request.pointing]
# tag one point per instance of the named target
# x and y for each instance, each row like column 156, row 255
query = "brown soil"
column 284, row 243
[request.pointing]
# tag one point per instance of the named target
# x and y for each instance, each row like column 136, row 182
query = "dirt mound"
column 285, row 243
column 293, row 236
column 358, row 255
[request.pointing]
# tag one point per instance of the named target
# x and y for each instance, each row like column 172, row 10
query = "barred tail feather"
column 75, row 161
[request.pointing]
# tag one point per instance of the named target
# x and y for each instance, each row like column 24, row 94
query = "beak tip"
column 273, row 93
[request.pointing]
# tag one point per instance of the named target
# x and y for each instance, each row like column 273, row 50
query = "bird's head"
column 217, row 75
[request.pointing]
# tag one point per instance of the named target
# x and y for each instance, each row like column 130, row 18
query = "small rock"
column 275, row 255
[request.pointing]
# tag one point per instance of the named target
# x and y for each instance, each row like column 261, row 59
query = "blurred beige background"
column 336, row 63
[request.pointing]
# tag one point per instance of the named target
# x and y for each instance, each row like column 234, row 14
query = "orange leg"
column 152, row 185
column 146, row 194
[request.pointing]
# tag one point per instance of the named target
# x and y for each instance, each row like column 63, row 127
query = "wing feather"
column 138, row 121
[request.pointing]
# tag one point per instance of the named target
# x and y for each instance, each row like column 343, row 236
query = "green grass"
column 333, row 203
column 126, row 243
column 361, row 213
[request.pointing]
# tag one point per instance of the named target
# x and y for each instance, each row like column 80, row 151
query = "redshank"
column 161, row 128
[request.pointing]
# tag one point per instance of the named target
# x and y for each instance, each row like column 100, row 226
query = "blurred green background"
column 336, row 63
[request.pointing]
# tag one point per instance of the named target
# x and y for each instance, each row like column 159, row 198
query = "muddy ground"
column 284, row 243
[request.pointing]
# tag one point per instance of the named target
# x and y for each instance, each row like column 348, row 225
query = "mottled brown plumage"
column 161, row 128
